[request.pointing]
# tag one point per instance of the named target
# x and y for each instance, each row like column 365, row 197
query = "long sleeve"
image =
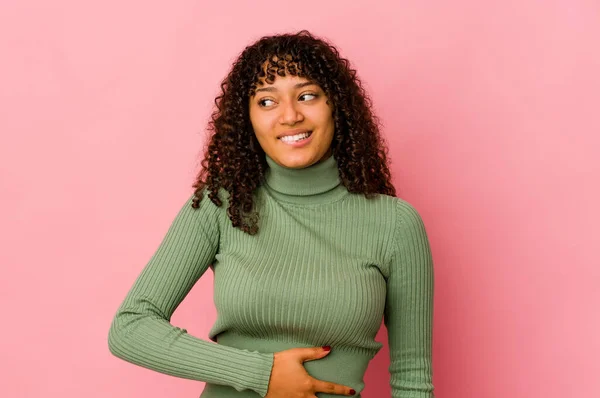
column 408, row 312
column 141, row 332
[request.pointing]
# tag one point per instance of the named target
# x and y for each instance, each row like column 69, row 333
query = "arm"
column 141, row 332
column 408, row 313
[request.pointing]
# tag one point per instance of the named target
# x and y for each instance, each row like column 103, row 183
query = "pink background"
column 491, row 110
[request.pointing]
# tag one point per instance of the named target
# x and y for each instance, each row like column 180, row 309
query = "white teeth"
column 293, row 138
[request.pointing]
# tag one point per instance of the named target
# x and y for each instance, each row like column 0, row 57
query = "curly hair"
column 235, row 161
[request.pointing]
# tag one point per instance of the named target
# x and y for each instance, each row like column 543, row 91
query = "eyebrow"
column 273, row 89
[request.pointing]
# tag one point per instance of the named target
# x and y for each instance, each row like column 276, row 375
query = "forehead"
column 279, row 73
column 279, row 66
column 283, row 82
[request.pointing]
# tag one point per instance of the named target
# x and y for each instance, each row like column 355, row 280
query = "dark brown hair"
column 235, row 161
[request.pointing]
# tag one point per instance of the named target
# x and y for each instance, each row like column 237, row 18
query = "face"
column 283, row 113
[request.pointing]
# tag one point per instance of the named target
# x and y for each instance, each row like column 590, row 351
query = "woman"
column 295, row 214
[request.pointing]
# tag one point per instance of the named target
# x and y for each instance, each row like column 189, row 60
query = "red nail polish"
column 352, row 392
column 326, row 348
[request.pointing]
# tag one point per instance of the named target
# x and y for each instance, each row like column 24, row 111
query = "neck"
column 318, row 183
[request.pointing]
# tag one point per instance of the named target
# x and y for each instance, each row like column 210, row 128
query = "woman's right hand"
column 289, row 379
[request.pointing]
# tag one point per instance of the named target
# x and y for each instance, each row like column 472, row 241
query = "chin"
column 297, row 165
column 297, row 162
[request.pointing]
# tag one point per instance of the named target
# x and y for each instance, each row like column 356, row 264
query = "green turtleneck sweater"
column 326, row 267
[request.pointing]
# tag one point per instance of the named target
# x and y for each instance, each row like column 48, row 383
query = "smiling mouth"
column 296, row 138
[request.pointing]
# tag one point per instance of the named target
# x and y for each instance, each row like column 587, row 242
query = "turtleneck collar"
column 319, row 183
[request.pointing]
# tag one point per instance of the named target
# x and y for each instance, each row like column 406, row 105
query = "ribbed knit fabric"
column 324, row 269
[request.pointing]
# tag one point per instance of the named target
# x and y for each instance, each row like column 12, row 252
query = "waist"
column 343, row 365
column 218, row 391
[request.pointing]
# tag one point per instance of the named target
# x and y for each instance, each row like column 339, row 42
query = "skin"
column 289, row 378
column 292, row 102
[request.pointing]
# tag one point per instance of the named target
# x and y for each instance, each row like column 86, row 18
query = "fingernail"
column 352, row 392
column 326, row 347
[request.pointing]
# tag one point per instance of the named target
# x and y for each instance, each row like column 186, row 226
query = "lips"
column 294, row 132
column 298, row 143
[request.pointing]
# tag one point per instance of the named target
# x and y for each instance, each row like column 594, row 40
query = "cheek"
column 326, row 120
column 261, row 122
column 320, row 116
column 255, row 122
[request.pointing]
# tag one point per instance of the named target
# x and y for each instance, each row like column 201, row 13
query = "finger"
column 332, row 388
column 310, row 353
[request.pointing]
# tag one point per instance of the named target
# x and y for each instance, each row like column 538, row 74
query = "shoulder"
column 205, row 204
column 407, row 215
column 408, row 230
column 410, row 227
column 207, row 215
column 398, row 209
column 385, row 203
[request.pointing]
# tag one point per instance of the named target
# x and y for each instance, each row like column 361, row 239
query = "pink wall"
column 491, row 110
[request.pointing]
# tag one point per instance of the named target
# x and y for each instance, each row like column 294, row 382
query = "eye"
column 313, row 95
column 262, row 102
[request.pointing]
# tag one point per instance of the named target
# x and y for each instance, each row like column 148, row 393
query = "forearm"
column 155, row 344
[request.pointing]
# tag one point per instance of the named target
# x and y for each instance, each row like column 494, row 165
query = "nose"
column 290, row 113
